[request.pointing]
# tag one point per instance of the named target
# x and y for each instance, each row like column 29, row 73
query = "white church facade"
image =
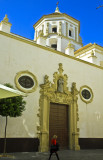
column 63, row 81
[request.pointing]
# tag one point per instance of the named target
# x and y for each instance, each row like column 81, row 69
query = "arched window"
column 53, row 43
column 54, row 46
column 70, row 33
column 54, row 29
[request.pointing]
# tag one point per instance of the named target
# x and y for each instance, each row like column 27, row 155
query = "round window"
column 86, row 94
column 26, row 81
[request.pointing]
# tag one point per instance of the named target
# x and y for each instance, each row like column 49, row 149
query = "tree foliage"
column 13, row 106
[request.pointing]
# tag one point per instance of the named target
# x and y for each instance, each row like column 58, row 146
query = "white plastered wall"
column 19, row 56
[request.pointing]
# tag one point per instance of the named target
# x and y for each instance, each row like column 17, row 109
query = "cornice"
column 84, row 47
column 5, row 23
column 57, row 15
column 98, row 46
column 41, row 37
column 47, row 20
column 87, row 48
column 72, row 40
column 31, row 42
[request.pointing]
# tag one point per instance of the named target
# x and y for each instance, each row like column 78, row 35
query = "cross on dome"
column 57, row 4
column 57, row 8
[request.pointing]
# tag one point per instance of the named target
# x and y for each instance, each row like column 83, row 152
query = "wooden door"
column 58, row 124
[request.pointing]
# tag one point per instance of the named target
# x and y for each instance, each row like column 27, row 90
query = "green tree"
column 12, row 107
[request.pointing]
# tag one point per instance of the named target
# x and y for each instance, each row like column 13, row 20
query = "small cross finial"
column 57, row 4
column 57, row 8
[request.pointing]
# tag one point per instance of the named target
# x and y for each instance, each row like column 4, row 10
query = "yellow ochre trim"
column 31, row 42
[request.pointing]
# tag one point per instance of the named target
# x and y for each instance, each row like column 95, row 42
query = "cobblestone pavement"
column 63, row 155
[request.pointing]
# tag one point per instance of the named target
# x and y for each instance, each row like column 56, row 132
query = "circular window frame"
column 29, row 74
column 91, row 92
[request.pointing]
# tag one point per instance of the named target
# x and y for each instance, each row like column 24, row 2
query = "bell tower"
column 56, row 30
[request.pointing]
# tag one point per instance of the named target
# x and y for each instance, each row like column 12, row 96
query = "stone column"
column 44, row 117
column 75, row 133
column 66, row 29
column 35, row 36
column 59, row 43
column 76, row 33
column 60, row 28
column 70, row 126
column 47, row 29
column 44, row 135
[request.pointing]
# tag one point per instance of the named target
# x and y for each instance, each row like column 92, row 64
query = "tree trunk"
column 5, row 137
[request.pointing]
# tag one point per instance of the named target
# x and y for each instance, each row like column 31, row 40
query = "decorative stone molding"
column 57, row 92
column 26, row 78
column 86, row 94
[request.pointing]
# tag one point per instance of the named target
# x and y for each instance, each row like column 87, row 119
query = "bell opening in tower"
column 54, row 46
column 54, row 29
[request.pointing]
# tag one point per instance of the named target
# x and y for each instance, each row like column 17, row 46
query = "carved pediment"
column 60, row 82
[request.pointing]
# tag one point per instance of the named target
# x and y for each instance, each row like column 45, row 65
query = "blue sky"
column 24, row 13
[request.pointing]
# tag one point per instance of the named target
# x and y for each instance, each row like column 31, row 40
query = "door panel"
column 58, row 123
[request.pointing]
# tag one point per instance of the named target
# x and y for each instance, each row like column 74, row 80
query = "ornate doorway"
column 58, row 93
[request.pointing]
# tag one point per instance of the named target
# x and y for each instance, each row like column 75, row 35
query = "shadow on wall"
column 20, row 145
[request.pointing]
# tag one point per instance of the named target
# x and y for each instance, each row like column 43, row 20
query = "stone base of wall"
column 20, row 145
column 91, row 143
column 32, row 144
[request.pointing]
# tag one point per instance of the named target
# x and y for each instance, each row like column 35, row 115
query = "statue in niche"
column 60, row 85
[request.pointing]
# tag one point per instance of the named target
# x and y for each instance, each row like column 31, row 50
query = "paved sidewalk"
column 64, row 155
